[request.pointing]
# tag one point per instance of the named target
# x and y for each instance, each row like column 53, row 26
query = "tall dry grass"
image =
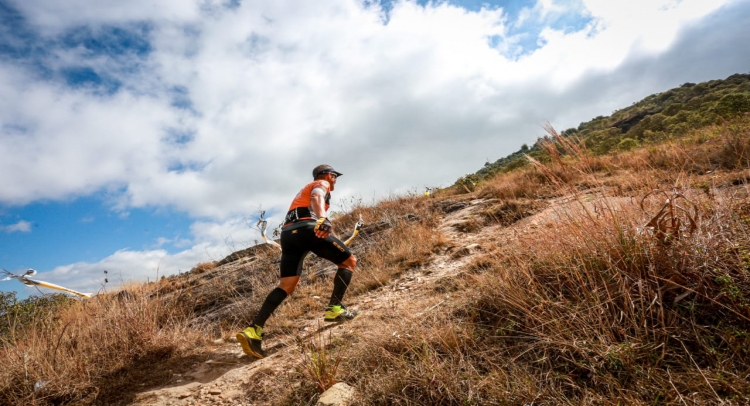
column 400, row 234
column 593, row 307
column 93, row 349
column 608, row 311
column 107, row 349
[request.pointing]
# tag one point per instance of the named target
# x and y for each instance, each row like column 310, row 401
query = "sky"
column 144, row 137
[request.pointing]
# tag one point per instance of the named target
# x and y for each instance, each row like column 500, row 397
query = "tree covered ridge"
column 656, row 118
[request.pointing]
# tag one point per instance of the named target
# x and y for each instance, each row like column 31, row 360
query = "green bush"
column 602, row 141
column 651, row 123
column 627, row 144
column 516, row 163
column 673, row 109
column 702, row 118
column 16, row 315
column 678, row 129
column 732, row 105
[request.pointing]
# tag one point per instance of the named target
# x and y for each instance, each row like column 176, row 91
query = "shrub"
column 626, row 144
column 732, row 105
column 32, row 312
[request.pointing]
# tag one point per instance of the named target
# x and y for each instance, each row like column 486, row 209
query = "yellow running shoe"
column 339, row 313
column 251, row 339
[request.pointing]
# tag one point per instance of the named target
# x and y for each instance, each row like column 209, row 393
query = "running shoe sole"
column 246, row 346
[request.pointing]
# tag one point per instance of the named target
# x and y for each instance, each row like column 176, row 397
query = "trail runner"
column 306, row 228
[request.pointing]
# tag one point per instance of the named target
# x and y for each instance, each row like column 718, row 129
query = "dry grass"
column 608, row 311
column 407, row 240
column 599, row 309
column 203, row 267
column 320, row 359
column 524, row 183
column 603, row 305
column 93, row 349
column 107, row 349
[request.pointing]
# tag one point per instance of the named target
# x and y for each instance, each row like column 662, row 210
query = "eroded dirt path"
column 223, row 378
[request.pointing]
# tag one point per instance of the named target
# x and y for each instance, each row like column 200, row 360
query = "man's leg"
column 342, row 279
column 334, row 250
column 286, row 286
column 336, row 310
column 290, row 269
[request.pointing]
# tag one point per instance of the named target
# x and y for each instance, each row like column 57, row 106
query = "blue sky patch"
column 128, row 44
column 179, row 137
column 510, row 7
column 13, row 129
column 181, row 167
column 83, row 76
column 233, row 4
column 257, row 45
column 524, row 37
column 181, row 98
column 110, row 41
column 85, row 229
column 17, row 41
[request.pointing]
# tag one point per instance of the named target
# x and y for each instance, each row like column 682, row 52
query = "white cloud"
column 210, row 242
column 648, row 24
column 51, row 16
column 20, row 227
column 546, row 8
column 277, row 87
column 74, row 142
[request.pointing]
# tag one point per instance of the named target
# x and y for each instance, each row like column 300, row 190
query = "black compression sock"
column 273, row 300
column 340, row 283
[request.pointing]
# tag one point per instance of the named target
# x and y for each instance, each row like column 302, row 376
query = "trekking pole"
column 357, row 227
column 36, row 283
column 262, row 225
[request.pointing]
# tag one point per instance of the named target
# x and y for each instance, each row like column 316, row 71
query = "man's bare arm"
column 323, row 228
column 318, row 203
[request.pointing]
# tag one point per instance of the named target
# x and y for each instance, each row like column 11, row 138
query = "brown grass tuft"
column 203, row 267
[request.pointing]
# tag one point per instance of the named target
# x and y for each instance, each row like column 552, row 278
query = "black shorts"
column 299, row 239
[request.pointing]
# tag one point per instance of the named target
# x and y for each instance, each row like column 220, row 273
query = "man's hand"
column 323, row 227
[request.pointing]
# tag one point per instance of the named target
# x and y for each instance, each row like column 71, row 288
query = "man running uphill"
column 306, row 228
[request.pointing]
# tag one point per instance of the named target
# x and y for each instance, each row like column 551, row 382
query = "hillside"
column 653, row 120
column 577, row 278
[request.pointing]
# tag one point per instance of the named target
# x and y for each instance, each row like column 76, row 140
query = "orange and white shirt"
column 301, row 207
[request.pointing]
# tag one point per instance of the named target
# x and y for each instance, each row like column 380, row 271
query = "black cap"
column 323, row 169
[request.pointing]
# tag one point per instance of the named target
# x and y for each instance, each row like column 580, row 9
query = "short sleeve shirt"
column 303, row 198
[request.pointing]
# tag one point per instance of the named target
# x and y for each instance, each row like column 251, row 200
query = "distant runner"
column 306, row 228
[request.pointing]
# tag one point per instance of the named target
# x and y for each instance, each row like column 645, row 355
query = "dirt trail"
column 223, row 378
